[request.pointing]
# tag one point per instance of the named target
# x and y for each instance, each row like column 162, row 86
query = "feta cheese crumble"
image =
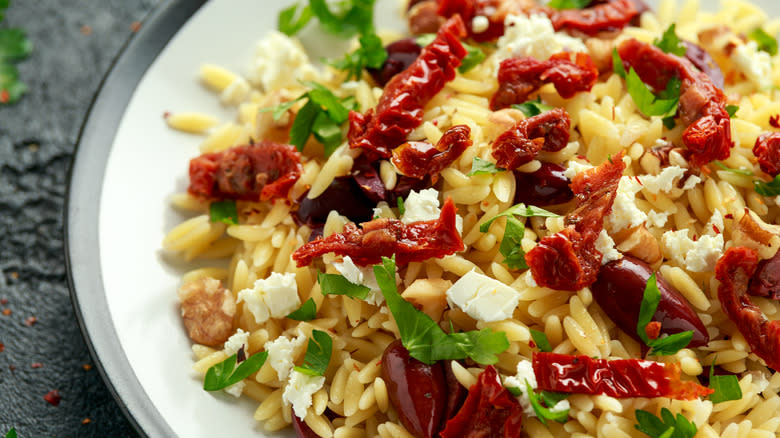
column 625, row 213
column 606, row 246
column 483, row 298
column 280, row 62
column 696, row 256
column 236, row 341
column 424, row 206
column 755, row 64
column 525, row 372
column 273, row 297
column 534, row 36
column 667, row 180
column 573, row 167
column 299, row 391
column 281, row 352
column 363, row 276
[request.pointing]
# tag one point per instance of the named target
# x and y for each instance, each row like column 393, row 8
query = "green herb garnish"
column 483, row 167
column 370, row 54
column 474, row 56
column 306, row 312
column 222, row 375
column 532, row 107
column 743, row 172
column 771, row 188
column 661, row 346
column 544, row 413
column 663, row 104
column 423, row 337
column 335, row 284
column 670, row 42
column 401, row 208
column 14, row 47
column 294, row 18
column 318, row 353
column 732, row 110
column 765, row 42
column 346, row 18
column 510, row 247
column 223, row 211
column 569, row 4
column 726, row 387
column 541, row 341
column 668, row 426
column 11, row 433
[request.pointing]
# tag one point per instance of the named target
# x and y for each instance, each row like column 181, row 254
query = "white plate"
column 127, row 166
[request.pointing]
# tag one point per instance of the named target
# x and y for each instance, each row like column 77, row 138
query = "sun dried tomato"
column 418, row 159
column 734, row 270
column 259, row 171
column 400, row 109
column 702, row 104
column 519, row 77
column 774, row 121
column 412, row 242
column 767, row 150
column 489, row 411
column 607, row 16
column 494, row 10
column 569, row 260
column 521, row 143
column 618, row 378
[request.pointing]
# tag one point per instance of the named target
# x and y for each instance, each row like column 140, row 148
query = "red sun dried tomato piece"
column 569, row 260
column 53, row 397
column 767, row 150
column 400, row 109
column 255, row 172
column 489, row 411
column 608, row 16
column 519, row 77
column 418, row 159
column 412, row 242
column 702, row 104
column 620, row 378
column 734, row 270
column 521, row 143
column 774, row 121
column 494, row 10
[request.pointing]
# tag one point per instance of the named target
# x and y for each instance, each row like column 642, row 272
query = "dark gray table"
column 75, row 43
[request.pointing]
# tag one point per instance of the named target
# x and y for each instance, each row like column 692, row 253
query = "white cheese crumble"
column 280, row 353
column 236, row 341
column 657, row 218
column 606, row 246
column 715, row 223
column 483, row 298
column 424, row 206
column 755, row 64
column 534, row 36
column 273, row 297
column 280, row 62
column 236, row 92
column 625, row 213
column 479, row 24
column 525, row 372
column 667, row 180
column 299, row 391
column 235, row 389
column 696, row 256
column 364, row 276
column 574, row 167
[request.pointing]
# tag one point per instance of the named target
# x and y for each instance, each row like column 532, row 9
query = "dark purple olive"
column 546, row 186
column 302, row 429
column 366, row 174
column 704, row 62
column 619, row 289
column 456, row 393
column 766, row 281
column 343, row 195
column 400, row 55
column 418, row 391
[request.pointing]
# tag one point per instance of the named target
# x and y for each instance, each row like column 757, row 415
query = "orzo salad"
column 520, row 218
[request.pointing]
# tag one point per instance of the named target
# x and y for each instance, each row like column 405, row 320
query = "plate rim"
column 81, row 213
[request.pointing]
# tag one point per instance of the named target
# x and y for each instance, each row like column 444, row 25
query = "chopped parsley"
column 732, row 110
column 765, row 42
column 306, row 312
column 511, row 247
column 423, row 337
column 318, row 353
column 670, row 42
column 11, row 433
column 401, row 208
column 14, row 47
column 532, row 107
column 344, row 18
column 335, row 284
column 223, row 211
column 569, row 4
column 660, row 346
column 663, row 104
column 222, row 375
column 771, row 188
column 743, row 172
column 726, row 387
column 483, row 167
column 370, row 54
column 668, row 426
column 541, row 341
column 294, row 18
column 474, row 55
column 545, row 413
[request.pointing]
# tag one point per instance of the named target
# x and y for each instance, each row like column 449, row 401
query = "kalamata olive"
column 343, row 195
column 546, row 186
column 619, row 289
column 400, row 55
column 418, row 391
column 766, row 281
column 704, row 62
column 302, row 430
column 456, row 393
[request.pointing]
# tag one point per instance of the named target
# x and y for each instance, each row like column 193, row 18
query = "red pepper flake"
column 30, row 321
column 653, row 329
column 86, row 30
column 37, row 365
column 613, row 113
column 53, row 397
column 774, row 121
column 15, row 275
column 695, row 237
column 5, row 96
column 12, row 368
column 86, row 421
column 6, row 312
column 4, row 301
column 2, row 347
column 135, row 26
column 636, row 177
column 86, row 367
column 729, row 216
column 435, row 122
column 531, row 343
column 166, row 114
column 716, row 229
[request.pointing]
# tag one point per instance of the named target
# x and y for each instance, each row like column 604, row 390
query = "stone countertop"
column 75, row 42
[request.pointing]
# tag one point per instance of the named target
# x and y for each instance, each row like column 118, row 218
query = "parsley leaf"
column 294, row 18
column 354, row 17
column 515, row 391
column 474, row 56
column 401, row 208
column 370, row 54
column 771, row 188
column 335, row 284
column 732, row 110
column 14, row 46
column 532, row 107
column 661, row 346
column 670, row 42
column 743, row 172
column 223, row 211
column 11, row 433
column 541, row 341
column 766, row 42
column 306, row 312
column 222, row 375
column 483, row 167
column 423, row 337
column 569, row 4
column 542, row 412
column 726, row 387
column 617, row 64
column 663, row 104
column 510, row 248
column 667, row 426
column 318, row 353
column 3, row 7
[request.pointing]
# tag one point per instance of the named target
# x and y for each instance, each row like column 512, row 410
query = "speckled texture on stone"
column 37, row 140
